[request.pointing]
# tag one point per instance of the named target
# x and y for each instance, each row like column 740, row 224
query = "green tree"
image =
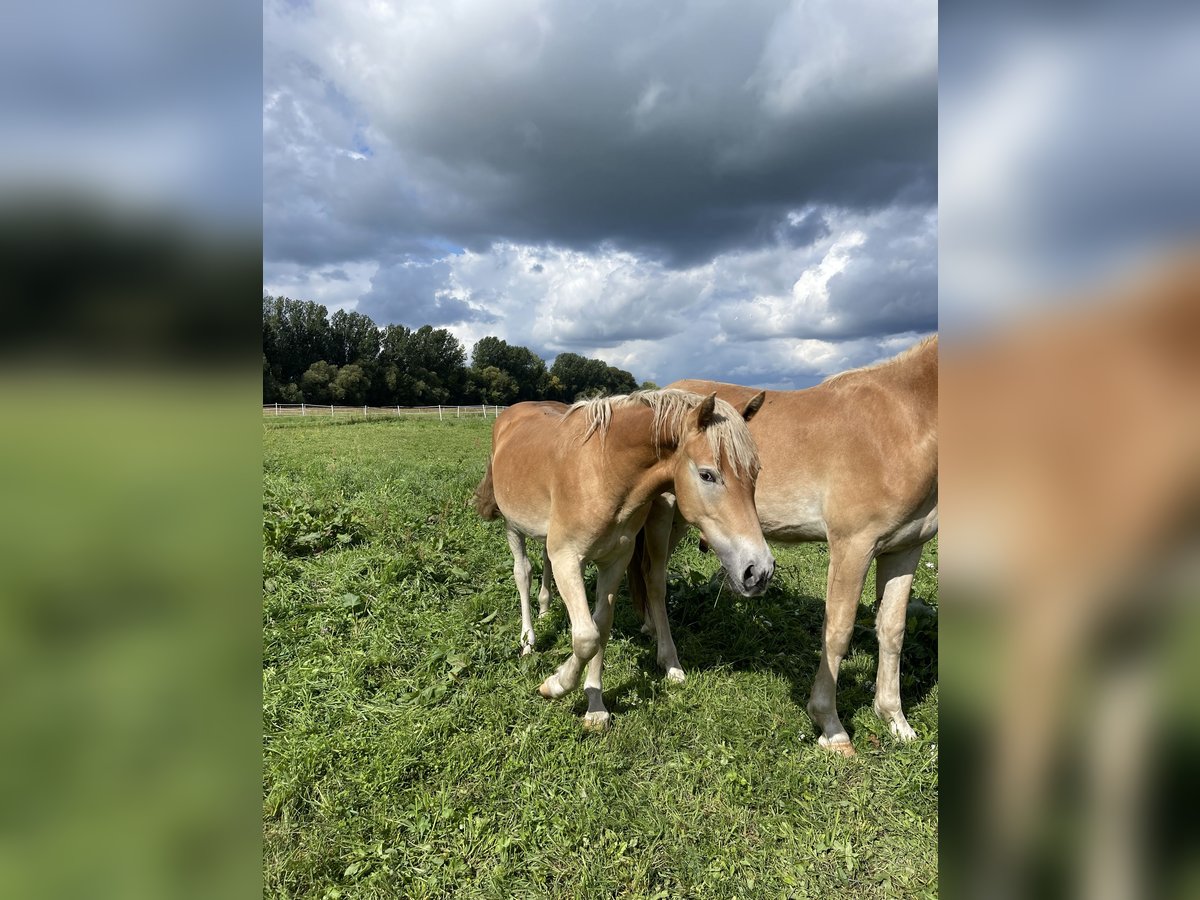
column 492, row 385
column 436, row 362
column 295, row 335
column 392, row 383
column 649, row 386
column 570, row 372
column 525, row 367
column 618, row 381
column 290, row 393
column 353, row 338
column 349, row 386
column 579, row 376
column 316, row 381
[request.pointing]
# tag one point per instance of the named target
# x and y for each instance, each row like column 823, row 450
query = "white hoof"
column 596, row 721
column 551, row 689
column 897, row 724
column 647, row 628
column 838, row 744
column 527, row 642
column 542, row 613
column 675, row 675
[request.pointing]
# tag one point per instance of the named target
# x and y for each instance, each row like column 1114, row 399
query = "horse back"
column 850, row 456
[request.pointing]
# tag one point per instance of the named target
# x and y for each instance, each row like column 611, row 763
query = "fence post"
column 364, row 410
column 439, row 412
column 303, row 409
column 331, row 410
column 458, row 413
column 397, row 410
column 276, row 409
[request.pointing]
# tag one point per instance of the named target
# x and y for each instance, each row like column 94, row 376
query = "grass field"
column 407, row 753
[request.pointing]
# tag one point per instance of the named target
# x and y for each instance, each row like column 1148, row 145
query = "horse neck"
column 632, row 441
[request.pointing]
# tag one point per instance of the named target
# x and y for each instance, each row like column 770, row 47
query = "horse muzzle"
column 756, row 576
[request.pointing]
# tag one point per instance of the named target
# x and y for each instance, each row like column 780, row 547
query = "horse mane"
column 899, row 359
column 727, row 433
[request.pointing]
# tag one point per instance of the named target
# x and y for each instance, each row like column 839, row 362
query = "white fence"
column 376, row 412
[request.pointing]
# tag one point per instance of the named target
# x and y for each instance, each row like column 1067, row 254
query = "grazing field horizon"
column 408, row 754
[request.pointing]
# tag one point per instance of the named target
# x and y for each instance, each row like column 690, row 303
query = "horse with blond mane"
column 852, row 461
column 584, row 477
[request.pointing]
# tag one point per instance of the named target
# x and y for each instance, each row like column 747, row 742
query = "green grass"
column 407, row 753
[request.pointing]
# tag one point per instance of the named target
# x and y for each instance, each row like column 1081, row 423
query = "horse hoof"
column 841, row 746
column 526, row 649
column 595, row 721
column 902, row 730
column 551, row 689
column 647, row 628
column 675, row 675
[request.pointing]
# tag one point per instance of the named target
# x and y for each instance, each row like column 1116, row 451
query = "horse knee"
column 585, row 644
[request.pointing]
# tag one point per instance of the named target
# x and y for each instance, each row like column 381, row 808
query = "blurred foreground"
column 130, row 266
column 1070, row 499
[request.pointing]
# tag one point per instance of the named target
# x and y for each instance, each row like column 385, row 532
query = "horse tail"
column 484, row 499
column 638, row 589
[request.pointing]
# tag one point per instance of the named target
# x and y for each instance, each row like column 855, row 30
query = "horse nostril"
column 748, row 575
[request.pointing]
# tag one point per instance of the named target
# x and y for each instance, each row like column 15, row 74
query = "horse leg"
column 893, row 584
column 585, row 637
column 663, row 531
column 521, row 570
column 848, row 564
column 679, row 528
column 608, row 579
column 544, row 592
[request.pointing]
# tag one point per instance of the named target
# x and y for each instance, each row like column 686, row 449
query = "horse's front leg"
column 608, row 580
column 893, row 585
column 848, row 564
column 585, row 637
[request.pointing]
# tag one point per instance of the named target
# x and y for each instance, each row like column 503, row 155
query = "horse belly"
column 790, row 519
column 915, row 531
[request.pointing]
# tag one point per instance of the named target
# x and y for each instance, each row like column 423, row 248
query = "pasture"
column 408, row 754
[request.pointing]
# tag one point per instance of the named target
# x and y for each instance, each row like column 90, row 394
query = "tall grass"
column 407, row 753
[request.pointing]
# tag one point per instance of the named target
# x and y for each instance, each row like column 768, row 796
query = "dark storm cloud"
column 674, row 130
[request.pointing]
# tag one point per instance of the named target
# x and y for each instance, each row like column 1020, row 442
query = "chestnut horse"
column 852, row 461
column 584, row 477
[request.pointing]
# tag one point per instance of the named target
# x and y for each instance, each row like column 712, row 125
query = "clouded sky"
column 1069, row 142
column 683, row 189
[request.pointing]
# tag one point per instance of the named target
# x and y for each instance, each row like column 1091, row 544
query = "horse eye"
column 706, row 475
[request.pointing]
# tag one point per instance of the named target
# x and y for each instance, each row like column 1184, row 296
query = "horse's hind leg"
column 893, row 584
column 544, row 592
column 848, row 564
column 521, row 573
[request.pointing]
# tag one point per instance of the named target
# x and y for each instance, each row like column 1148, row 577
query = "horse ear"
column 705, row 411
column 754, row 405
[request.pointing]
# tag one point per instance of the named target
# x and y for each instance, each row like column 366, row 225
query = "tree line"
column 312, row 357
